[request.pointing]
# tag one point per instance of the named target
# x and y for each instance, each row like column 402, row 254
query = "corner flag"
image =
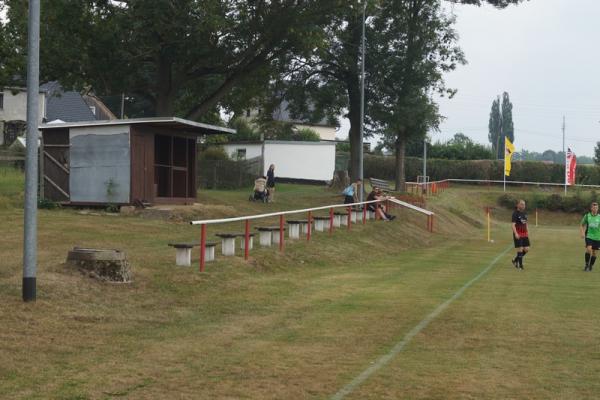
column 509, row 149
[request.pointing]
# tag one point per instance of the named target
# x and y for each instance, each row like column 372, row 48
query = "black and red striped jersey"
column 519, row 218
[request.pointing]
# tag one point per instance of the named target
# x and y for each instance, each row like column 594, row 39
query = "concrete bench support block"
column 265, row 238
column 294, row 232
column 337, row 221
column 228, row 246
column 250, row 243
column 183, row 257
column 276, row 237
column 209, row 253
column 304, row 228
column 320, row 225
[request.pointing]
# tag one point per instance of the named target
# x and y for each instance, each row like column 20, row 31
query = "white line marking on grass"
column 398, row 347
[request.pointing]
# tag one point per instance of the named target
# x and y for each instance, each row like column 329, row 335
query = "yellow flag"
column 509, row 149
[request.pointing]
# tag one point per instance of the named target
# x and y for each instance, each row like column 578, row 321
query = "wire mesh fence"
column 228, row 174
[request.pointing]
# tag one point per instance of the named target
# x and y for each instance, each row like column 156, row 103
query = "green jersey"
column 593, row 225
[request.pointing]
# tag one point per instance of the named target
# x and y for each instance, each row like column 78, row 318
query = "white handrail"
column 279, row 213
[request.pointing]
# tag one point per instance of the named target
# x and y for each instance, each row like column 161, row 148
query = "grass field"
column 304, row 324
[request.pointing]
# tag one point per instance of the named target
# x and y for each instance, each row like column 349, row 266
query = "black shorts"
column 521, row 242
column 348, row 199
column 594, row 243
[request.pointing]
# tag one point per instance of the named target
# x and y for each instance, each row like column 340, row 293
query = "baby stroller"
column 260, row 196
column 260, row 190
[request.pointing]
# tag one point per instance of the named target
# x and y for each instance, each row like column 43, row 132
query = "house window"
column 241, row 154
column 1, row 101
column 93, row 110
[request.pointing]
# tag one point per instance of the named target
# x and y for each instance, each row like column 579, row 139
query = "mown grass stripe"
column 398, row 347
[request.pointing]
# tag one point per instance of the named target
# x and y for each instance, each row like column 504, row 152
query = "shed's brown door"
column 56, row 166
column 142, row 167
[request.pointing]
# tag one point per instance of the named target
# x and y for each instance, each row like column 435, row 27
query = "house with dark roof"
column 55, row 104
column 71, row 106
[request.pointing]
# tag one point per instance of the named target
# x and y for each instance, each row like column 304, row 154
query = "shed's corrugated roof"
column 68, row 106
column 174, row 123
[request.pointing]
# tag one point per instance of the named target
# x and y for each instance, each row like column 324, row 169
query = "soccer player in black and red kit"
column 520, row 234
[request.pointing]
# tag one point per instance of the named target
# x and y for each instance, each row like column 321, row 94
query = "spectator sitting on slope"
column 376, row 194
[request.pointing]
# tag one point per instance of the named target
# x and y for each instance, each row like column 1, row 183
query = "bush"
column 46, row 204
column 578, row 203
column 213, row 153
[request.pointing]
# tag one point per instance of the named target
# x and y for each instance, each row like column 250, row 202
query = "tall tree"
column 508, row 129
column 597, row 153
column 418, row 46
column 495, row 126
column 184, row 56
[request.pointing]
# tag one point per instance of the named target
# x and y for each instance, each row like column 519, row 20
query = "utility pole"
column 362, row 103
column 122, row 105
column 425, row 159
column 31, row 162
column 565, row 154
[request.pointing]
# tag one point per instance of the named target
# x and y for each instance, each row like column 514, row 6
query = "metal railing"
column 388, row 202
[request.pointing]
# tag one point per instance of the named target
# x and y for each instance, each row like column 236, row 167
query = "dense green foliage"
column 578, row 202
column 460, row 147
column 185, row 58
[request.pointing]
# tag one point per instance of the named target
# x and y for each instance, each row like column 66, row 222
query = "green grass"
column 12, row 182
column 304, row 323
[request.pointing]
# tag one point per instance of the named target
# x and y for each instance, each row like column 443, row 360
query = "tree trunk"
column 400, row 171
column 164, row 89
column 352, row 82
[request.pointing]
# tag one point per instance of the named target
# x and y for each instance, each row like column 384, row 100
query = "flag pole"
column 565, row 153
column 504, row 172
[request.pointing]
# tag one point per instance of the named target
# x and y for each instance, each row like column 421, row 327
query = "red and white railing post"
column 331, row 220
column 349, row 218
column 281, row 233
column 309, row 227
column 202, row 247
column 247, row 240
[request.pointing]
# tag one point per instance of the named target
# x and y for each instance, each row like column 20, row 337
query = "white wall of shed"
column 301, row 160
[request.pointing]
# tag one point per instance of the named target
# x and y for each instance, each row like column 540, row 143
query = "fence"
column 432, row 188
column 228, row 174
column 10, row 159
column 389, row 202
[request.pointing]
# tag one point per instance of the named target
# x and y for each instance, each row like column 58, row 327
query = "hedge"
column 383, row 167
column 579, row 202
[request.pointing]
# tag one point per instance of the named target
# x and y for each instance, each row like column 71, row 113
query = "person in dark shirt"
column 520, row 234
column 271, row 182
column 376, row 207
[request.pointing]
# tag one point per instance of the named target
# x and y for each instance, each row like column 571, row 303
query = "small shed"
column 149, row 160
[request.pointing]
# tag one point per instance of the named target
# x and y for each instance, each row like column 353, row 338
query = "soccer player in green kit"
column 590, row 231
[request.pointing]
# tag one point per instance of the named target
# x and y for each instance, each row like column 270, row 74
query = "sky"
column 544, row 53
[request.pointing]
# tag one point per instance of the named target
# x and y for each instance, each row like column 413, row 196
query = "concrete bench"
column 183, row 252
column 227, row 243
column 295, row 225
column 321, row 223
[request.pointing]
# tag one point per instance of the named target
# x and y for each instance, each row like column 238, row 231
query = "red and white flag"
column 570, row 168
